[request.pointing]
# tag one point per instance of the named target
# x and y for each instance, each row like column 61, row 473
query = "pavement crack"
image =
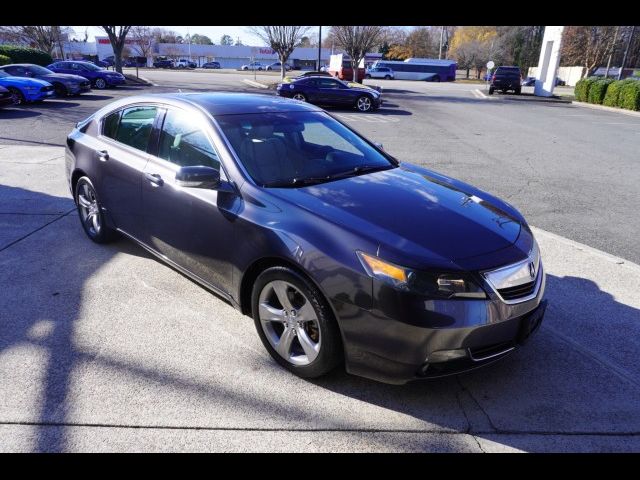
column 478, row 443
column 485, row 416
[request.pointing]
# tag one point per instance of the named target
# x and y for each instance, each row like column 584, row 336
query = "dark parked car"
column 163, row 64
column 99, row 77
column 64, row 84
column 336, row 249
column 531, row 82
column 6, row 98
column 278, row 66
column 505, row 79
column 215, row 65
column 330, row 91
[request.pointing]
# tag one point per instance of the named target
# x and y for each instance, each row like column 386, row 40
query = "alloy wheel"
column 300, row 97
column 100, row 83
column 364, row 104
column 89, row 209
column 289, row 322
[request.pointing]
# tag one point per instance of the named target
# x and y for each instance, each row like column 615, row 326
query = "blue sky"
column 214, row 33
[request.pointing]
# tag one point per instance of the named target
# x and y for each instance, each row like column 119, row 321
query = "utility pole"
column 319, row 47
column 626, row 52
column 189, row 35
column 441, row 39
column 613, row 47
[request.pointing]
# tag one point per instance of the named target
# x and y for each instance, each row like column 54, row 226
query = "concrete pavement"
column 105, row 348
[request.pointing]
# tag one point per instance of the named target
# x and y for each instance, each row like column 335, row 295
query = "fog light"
column 446, row 355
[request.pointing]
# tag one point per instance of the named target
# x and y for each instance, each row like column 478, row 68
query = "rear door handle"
column 154, row 178
column 103, row 155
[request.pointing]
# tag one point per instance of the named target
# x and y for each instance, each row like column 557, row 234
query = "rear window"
column 135, row 127
column 508, row 70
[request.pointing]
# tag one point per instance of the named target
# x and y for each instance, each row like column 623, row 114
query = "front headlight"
column 440, row 284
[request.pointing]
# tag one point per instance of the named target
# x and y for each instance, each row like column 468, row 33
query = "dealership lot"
column 105, row 348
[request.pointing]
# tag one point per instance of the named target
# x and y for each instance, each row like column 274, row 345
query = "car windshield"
column 37, row 70
column 294, row 149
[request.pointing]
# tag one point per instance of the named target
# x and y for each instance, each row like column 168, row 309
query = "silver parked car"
column 380, row 72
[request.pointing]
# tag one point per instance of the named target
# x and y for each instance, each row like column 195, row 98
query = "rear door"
column 122, row 156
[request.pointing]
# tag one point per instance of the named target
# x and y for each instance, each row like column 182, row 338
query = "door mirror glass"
column 198, row 177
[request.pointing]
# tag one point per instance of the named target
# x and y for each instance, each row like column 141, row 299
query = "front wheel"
column 387, row 77
column 300, row 97
column 60, row 89
column 100, row 83
column 364, row 104
column 90, row 213
column 295, row 323
column 367, row 76
column 17, row 96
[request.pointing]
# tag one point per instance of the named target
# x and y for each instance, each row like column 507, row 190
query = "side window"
column 18, row 71
column 135, row 127
column 183, row 142
column 110, row 125
column 328, row 83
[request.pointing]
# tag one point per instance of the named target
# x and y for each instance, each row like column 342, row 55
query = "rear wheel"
column 300, row 97
column 491, row 89
column 100, row 83
column 17, row 96
column 90, row 213
column 436, row 78
column 518, row 90
column 387, row 77
column 295, row 323
column 364, row 104
column 367, row 76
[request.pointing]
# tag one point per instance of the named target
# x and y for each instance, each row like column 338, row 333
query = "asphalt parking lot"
column 105, row 348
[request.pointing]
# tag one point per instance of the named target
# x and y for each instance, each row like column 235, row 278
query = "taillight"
column 493, row 78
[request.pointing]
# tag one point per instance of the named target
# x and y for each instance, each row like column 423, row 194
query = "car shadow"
column 93, row 96
column 17, row 112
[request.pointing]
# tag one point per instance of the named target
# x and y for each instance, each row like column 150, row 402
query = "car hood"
column 416, row 217
column 62, row 77
column 22, row 81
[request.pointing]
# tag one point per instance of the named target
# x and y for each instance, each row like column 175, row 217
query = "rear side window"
column 135, row 127
column 184, row 143
column 110, row 125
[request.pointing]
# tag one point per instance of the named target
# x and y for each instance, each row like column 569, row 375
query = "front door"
column 193, row 227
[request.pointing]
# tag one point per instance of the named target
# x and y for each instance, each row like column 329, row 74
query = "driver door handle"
column 103, row 155
column 154, row 178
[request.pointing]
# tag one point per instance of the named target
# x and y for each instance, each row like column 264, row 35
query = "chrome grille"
column 518, row 282
column 519, row 291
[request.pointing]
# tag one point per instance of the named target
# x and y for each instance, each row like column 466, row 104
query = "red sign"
column 105, row 41
column 267, row 51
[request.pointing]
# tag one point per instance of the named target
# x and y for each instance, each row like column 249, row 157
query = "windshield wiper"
column 298, row 182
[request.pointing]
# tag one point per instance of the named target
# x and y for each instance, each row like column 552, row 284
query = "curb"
column 133, row 80
column 632, row 113
column 255, row 84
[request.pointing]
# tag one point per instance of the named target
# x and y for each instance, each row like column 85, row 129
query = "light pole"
column 319, row 46
column 441, row 39
column 189, row 35
column 626, row 52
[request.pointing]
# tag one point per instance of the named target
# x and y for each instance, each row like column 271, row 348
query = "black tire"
column 491, row 89
column 387, row 77
column 362, row 98
column 61, row 90
column 331, row 352
column 100, row 83
column 104, row 234
column 367, row 76
column 18, row 97
column 301, row 97
column 436, row 78
column 517, row 91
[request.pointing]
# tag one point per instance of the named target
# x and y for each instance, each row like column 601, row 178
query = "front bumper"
column 78, row 87
column 34, row 96
column 405, row 337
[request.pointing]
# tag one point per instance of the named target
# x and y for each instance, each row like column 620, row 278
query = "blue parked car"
column 25, row 90
column 321, row 90
column 6, row 99
column 99, row 77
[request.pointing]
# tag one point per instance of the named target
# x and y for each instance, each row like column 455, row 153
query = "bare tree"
column 45, row 38
column 143, row 40
column 357, row 41
column 587, row 45
column 283, row 40
column 117, row 36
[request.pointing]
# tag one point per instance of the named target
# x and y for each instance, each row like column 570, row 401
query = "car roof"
column 225, row 103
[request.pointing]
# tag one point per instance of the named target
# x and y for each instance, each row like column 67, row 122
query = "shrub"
column 4, row 60
column 25, row 55
column 598, row 90
column 612, row 97
column 629, row 97
column 581, row 91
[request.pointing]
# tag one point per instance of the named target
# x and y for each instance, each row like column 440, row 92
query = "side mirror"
column 198, row 177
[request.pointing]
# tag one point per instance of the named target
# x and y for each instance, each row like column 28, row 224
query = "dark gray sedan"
column 63, row 83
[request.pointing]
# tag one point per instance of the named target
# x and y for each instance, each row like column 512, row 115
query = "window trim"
column 119, row 110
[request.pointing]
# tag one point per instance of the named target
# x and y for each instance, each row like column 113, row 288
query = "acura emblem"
column 532, row 270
